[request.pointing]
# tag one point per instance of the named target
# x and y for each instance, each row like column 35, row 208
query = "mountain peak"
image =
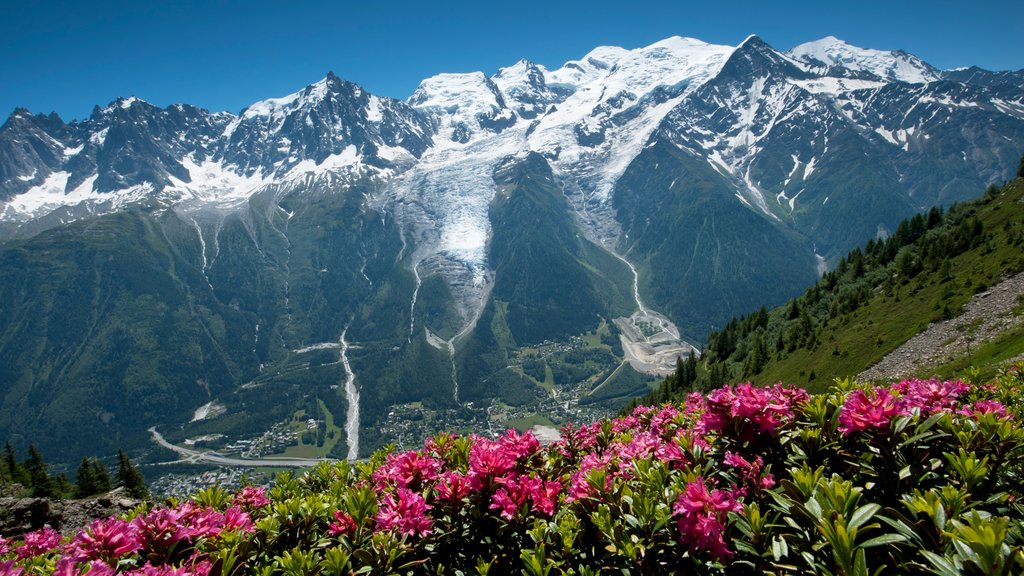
column 840, row 58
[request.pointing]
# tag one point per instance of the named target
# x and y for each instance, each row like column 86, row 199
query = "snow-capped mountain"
column 418, row 237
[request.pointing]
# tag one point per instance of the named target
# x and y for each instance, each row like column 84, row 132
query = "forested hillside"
column 875, row 299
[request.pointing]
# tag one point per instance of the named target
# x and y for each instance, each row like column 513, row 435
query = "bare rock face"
column 21, row 515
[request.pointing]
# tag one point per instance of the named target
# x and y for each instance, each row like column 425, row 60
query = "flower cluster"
column 875, row 407
column 750, row 411
column 702, row 514
column 742, row 480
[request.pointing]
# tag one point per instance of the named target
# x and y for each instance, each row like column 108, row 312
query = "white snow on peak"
column 272, row 108
column 275, row 109
column 664, row 63
column 459, row 95
column 515, row 82
column 126, row 103
column 888, row 65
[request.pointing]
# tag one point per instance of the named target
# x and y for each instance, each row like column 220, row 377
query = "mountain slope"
column 935, row 275
column 506, row 239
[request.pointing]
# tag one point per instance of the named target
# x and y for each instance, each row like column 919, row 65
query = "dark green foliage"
column 92, row 478
column 42, row 484
column 1020, row 168
column 955, row 253
column 129, row 477
column 540, row 259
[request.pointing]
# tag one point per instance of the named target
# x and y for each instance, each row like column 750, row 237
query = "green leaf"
column 883, row 539
column 863, row 514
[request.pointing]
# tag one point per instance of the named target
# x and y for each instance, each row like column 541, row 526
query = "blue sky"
column 223, row 55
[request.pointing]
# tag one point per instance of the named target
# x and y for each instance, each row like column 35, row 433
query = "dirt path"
column 985, row 317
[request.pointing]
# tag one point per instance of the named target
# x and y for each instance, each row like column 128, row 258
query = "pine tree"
column 101, row 476
column 18, row 473
column 85, row 480
column 129, row 477
column 42, row 484
column 1020, row 168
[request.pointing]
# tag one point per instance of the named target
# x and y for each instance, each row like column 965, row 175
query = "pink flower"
column 545, row 496
column 519, row 446
column 406, row 515
column 39, row 542
column 580, row 487
column 344, row 525
column 750, row 472
column 748, row 410
column 930, row 396
column 162, row 528
column 663, row 422
column 452, row 487
column 702, row 516
column 409, row 469
column 984, row 407
column 487, row 461
column 863, row 411
column 105, row 540
column 8, row 568
column 251, row 498
column 517, row 491
column 236, row 519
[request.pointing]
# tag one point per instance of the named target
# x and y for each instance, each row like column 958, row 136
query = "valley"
column 529, row 247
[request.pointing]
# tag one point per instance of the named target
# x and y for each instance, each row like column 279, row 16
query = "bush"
column 923, row 475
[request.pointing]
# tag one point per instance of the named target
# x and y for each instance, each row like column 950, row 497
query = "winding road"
column 200, row 456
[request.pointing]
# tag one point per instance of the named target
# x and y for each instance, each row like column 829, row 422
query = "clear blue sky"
column 223, row 55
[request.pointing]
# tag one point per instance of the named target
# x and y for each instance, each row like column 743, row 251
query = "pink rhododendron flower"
column 9, row 568
column 984, row 407
column 579, row 484
column 236, row 519
column 929, row 396
column 749, row 410
column 863, row 411
column 452, row 487
column 407, row 514
column 664, row 421
column 519, row 446
column 702, row 516
column 487, row 461
column 106, row 540
column 409, row 469
column 517, row 491
column 343, row 525
column 251, row 498
column 750, row 472
column 162, row 528
column 38, row 542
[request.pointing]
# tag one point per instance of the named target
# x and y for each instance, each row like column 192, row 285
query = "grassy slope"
column 854, row 341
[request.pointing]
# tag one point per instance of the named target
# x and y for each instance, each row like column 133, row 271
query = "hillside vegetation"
column 876, row 299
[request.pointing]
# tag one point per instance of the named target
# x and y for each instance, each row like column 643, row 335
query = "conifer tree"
column 129, row 477
column 16, row 472
column 42, row 484
column 85, row 481
column 101, row 476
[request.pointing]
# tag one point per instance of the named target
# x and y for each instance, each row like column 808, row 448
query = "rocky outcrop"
column 20, row 515
column 985, row 317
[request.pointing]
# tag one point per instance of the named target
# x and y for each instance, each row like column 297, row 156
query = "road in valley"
column 189, row 455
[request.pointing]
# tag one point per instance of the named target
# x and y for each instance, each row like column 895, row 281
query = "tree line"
column 922, row 244
column 92, row 478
